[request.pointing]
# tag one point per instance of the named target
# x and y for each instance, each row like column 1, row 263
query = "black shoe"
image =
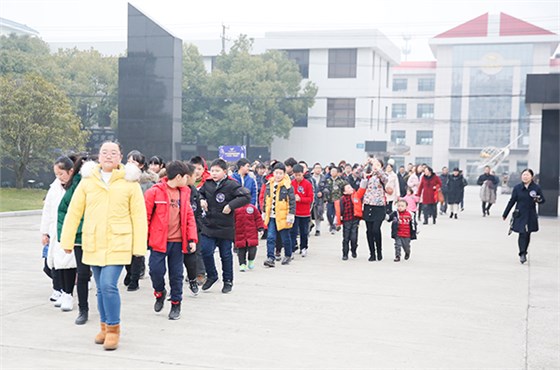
column 371, row 259
column 317, row 233
column 406, row 255
column 425, row 222
column 133, row 286
column 158, row 306
column 397, row 259
column 354, row 254
column 523, row 258
column 193, row 286
column 345, row 258
column 175, row 312
column 379, row 256
column 127, row 280
column 209, row 282
column 434, row 221
column 270, row 262
column 311, row 226
column 455, row 216
column 451, row 215
column 228, row 286
column 82, row 317
column 286, row 260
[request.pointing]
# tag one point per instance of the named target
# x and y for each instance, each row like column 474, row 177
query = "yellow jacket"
column 285, row 203
column 115, row 223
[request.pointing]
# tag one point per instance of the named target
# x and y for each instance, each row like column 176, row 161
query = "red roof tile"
column 477, row 27
column 418, row 65
column 511, row 26
column 555, row 62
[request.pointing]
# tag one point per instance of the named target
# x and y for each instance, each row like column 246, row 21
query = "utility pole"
column 224, row 38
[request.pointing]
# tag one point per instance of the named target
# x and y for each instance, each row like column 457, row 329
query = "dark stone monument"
column 543, row 98
column 150, row 91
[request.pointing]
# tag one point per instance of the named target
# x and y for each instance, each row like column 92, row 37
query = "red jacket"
column 356, row 201
column 428, row 189
column 248, row 222
column 263, row 190
column 305, row 191
column 157, row 208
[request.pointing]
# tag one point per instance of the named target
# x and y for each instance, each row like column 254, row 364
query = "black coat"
column 215, row 223
column 486, row 176
column 444, row 182
column 197, row 209
column 526, row 219
column 455, row 189
column 402, row 183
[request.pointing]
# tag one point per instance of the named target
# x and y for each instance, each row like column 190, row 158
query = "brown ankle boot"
column 100, row 337
column 112, row 337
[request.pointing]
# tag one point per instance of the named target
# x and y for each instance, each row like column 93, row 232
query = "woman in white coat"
column 62, row 264
column 392, row 189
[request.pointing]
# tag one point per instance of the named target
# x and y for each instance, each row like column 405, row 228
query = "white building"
column 8, row 27
column 478, row 96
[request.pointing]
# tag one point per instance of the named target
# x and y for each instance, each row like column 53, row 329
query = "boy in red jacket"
column 303, row 191
column 171, row 233
column 248, row 223
column 349, row 215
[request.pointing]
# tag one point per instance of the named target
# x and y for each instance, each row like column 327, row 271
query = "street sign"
column 231, row 153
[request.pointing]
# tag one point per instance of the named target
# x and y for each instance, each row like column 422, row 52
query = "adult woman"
column 427, row 191
column 392, row 188
column 137, row 268
column 115, row 228
column 455, row 190
column 83, row 270
column 525, row 220
column 374, row 205
column 63, row 266
column 488, row 183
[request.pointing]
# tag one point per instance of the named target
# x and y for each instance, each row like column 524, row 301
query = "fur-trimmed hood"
column 148, row 176
column 131, row 172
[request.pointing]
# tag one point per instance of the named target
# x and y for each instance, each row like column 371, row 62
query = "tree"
column 194, row 106
column 37, row 121
column 246, row 96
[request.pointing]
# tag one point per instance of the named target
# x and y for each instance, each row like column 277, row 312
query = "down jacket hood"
column 131, row 172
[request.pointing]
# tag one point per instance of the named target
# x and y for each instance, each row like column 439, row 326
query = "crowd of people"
column 101, row 216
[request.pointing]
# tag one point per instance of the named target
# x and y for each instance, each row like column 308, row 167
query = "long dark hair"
column 138, row 158
column 78, row 160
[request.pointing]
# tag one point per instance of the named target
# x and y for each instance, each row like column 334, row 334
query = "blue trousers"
column 208, row 246
column 271, row 239
column 301, row 225
column 108, row 298
column 174, row 257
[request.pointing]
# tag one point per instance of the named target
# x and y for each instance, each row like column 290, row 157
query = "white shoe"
column 55, row 295
column 304, row 252
column 59, row 300
column 67, row 302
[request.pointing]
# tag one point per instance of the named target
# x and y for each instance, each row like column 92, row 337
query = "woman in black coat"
column 525, row 220
column 455, row 190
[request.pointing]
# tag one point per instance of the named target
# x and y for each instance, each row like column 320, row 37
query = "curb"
column 21, row 213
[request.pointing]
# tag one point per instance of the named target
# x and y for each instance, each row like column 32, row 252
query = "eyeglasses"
column 107, row 153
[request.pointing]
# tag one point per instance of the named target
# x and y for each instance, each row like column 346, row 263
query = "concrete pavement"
column 463, row 300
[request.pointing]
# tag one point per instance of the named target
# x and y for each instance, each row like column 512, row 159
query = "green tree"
column 194, row 106
column 23, row 54
column 36, row 121
column 246, row 96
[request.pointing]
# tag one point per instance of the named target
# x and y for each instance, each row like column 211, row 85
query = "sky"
column 106, row 20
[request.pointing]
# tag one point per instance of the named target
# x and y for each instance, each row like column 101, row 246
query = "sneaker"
column 193, row 286
column 397, row 259
column 286, row 260
column 371, row 259
column 55, row 295
column 406, row 255
column 278, row 256
column 160, row 300
column 317, row 233
column 175, row 312
column 228, row 285
column 82, row 317
column 59, row 300
column 269, row 262
column 304, row 252
column 67, row 303
column 345, row 258
column 251, row 265
column 354, row 255
column 523, row 258
column 209, row 282
column 243, row 267
column 133, row 286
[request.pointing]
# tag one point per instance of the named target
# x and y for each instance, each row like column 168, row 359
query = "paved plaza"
column 462, row 301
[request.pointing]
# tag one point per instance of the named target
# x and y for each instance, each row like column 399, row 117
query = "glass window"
column 399, row 161
column 398, row 111
column 398, row 137
column 301, row 57
column 427, row 160
column 301, row 122
column 521, row 165
column 400, row 84
column 424, row 137
column 341, row 112
column 426, row 84
column 342, row 63
column 454, row 163
column 425, row 111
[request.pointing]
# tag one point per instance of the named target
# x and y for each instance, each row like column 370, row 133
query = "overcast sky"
column 105, row 20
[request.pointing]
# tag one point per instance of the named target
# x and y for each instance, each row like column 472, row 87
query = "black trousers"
column 373, row 233
column 191, row 264
column 84, row 275
column 430, row 210
column 523, row 241
column 54, row 274
column 242, row 254
column 486, row 207
column 68, row 279
column 350, row 236
column 135, row 268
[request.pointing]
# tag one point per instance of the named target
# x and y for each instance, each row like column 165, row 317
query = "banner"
column 232, row 153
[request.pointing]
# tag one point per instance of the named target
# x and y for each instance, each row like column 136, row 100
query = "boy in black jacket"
column 219, row 197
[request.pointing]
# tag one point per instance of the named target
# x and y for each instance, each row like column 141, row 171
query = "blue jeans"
column 271, row 239
column 174, row 256
column 331, row 213
column 301, row 225
column 208, row 246
column 108, row 298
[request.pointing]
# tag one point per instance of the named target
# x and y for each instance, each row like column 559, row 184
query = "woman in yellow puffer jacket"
column 110, row 199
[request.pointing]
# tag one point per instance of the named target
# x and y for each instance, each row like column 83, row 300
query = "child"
column 403, row 230
column 411, row 201
column 171, row 233
column 199, row 274
column 303, row 191
column 220, row 196
column 350, row 214
column 248, row 223
column 279, row 208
